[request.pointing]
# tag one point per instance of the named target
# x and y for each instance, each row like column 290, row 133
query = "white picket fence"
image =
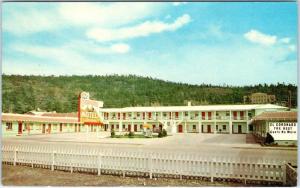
column 147, row 162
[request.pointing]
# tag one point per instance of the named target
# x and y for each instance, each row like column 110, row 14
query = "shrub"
column 164, row 133
column 160, row 134
column 112, row 134
column 269, row 139
column 131, row 134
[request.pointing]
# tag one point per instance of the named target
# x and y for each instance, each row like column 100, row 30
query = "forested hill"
column 21, row 94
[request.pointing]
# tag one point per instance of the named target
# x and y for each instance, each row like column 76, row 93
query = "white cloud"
column 75, row 54
column 120, row 48
column 106, row 14
column 178, row 3
column 141, row 30
column 292, row 47
column 285, row 40
column 31, row 18
column 260, row 38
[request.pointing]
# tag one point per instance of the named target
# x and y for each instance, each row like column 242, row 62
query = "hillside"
column 21, row 94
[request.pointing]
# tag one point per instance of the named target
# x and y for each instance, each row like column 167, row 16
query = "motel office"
column 213, row 119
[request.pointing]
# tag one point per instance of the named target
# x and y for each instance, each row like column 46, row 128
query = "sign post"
column 88, row 111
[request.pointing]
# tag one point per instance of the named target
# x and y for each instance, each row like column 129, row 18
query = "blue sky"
column 213, row 43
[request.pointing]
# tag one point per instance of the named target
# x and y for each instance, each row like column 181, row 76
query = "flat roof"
column 193, row 108
column 37, row 118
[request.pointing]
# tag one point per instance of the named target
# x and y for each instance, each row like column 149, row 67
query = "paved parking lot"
column 216, row 144
column 187, row 139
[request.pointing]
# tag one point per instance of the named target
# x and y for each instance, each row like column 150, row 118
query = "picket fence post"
column 150, row 165
column 212, row 170
column 53, row 160
column 99, row 164
column 15, row 156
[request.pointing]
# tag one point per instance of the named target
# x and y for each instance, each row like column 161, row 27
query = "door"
column 239, row 129
column 203, row 115
column 129, row 127
column 49, row 128
column 208, row 128
column 242, row 115
column 75, row 127
column 180, row 128
column 44, row 129
column 235, row 115
column 209, row 115
column 135, row 128
column 28, row 128
column 20, row 128
column 119, row 115
column 176, row 115
column 149, row 115
column 60, row 127
column 112, row 127
column 160, row 127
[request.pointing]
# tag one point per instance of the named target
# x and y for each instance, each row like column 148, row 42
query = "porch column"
column 215, row 127
column 131, row 127
column 199, row 127
column 230, row 127
column 185, row 130
column 120, row 126
column 230, row 122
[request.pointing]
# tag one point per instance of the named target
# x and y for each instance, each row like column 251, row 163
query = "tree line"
column 21, row 94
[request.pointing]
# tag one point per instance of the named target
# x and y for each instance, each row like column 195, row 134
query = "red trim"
column 93, row 123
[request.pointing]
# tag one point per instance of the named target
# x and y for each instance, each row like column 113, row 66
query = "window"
column 141, row 126
column 194, row 126
column 224, row 127
column 9, row 126
column 217, row 127
column 217, row 113
column 186, row 113
column 227, row 114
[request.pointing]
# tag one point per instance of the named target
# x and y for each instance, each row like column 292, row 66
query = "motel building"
column 211, row 119
column 92, row 117
column 281, row 125
column 40, row 123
